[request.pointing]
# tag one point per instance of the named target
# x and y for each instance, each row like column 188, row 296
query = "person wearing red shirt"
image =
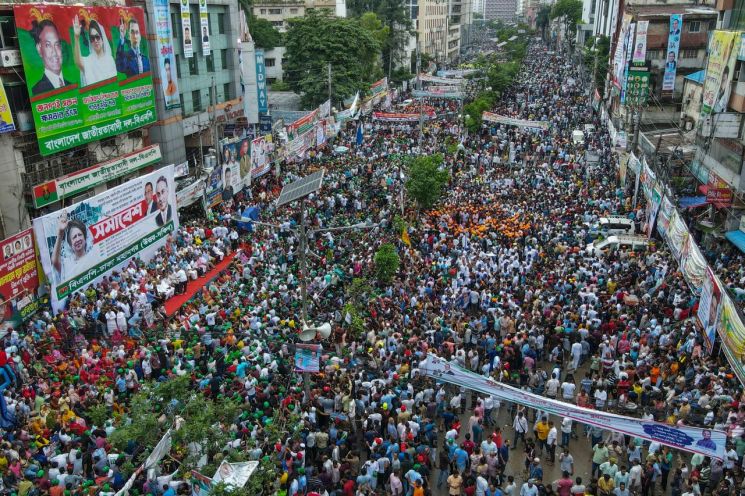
column 468, row 445
column 347, row 487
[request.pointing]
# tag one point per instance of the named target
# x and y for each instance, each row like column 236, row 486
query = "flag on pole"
column 359, row 134
column 405, row 237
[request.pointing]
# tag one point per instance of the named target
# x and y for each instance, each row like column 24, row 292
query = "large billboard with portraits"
column 82, row 243
column 87, row 71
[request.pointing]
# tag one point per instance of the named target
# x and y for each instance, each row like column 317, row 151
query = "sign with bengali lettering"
column 85, row 179
column 19, row 278
column 82, row 243
column 87, row 71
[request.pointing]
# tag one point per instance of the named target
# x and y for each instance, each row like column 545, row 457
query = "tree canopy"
column 426, row 181
column 394, row 15
column 570, row 13
column 317, row 40
column 262, row 31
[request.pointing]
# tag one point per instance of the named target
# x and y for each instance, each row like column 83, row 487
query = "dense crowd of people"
column 496, row 277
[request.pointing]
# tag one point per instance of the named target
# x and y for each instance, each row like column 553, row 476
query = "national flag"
column 46, row 193
column 359, row 134
column 405, row 237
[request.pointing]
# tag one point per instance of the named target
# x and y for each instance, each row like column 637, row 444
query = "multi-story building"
column 432, row 28
column 503, row 10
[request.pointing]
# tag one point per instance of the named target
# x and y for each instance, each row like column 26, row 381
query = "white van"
column 613, row 225
column 635, row 243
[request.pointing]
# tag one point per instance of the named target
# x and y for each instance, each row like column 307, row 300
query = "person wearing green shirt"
column 740, row 446
column 599, row 456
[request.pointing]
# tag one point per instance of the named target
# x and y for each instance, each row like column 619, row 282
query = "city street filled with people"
column 496, row 276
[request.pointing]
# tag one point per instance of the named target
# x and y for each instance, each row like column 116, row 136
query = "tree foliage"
column 570, row 13
column 543, row 19
column 263, row 33
column 596, row 59
column 426, row 181
column 394, row 15
column 386, row 263
column 317, row 40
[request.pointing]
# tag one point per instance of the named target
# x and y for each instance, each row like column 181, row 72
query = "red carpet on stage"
column 192, row 287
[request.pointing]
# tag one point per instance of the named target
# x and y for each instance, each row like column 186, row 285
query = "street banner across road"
column 707, row 442
column 82, row 243
column 393, row 117
column 434, row 93
column 87, row 72
column 501, row 119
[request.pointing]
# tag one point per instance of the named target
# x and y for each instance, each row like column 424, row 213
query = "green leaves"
column 386, row 263
column 317, row 40
column 426, row 181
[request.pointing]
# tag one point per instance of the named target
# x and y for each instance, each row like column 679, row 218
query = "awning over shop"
column 692, row 201
column 737, row 238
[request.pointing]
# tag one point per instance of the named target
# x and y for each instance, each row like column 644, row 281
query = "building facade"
column 503, row 10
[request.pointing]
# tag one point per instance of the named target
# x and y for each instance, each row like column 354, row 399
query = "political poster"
column 619, row 57
column 213, row 188
column 82, row 243
column 708, row 442
column 627, row 58
column 379, row 86
column 19, row 279
column 236, row 156
column 6, row 117
column 261, row 150
column 262, row 98
column 166, row 56
column 204, row 23
column 640, row 45
column 436, row 92
column 671, row 56
column 308, row 357
column 709, row 307
column 732, row 333
column 190, row 194
column 723, row 51
column 637, row 86
column 80, row 181
column 186, row 33
column 234, row 475
column 87, row 72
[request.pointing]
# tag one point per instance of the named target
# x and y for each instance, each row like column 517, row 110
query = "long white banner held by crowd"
column 704, row 441
column 81, row 243
column 510, row 121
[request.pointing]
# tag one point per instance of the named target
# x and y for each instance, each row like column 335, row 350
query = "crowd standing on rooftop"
column 495, row 277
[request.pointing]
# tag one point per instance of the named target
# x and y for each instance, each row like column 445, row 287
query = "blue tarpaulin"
column 692, row 201
column 737, row 238
column 249, row 214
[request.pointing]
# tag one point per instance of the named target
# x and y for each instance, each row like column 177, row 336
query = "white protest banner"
column 640, row 46
column 186, row 29
column 510, row 121
column 234, row 474
column 708, row 442
column 190, row 194
column 82, row 243
column 204, row 23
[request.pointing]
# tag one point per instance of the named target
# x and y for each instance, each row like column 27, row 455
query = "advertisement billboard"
column 261, row 151
column 671, row 56
column 186, row 33
column 236, row 156
column 87, row 72
column 19, row 278
column 84, row 179
column 204, row 23
column 640, row 45
column 723, row 51
column 166, row 57
column 82, row 243
column 709, row 307
column 6, row 117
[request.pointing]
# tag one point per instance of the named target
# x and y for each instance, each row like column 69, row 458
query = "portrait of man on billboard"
column 48, row 44
column 131, row 56
column 165, row 212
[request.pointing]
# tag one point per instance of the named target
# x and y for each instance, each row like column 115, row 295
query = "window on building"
column 689, row 53
column 269, row 62
column 275, row 11
column 284, row 61
column 278, row 24
column 694, row 26
column 226, row 91
column 181, row 97
column 210, row 59
column 712, row 25
column 223, row 59
column 196, row 100
column 271, row 80
column 221, row 23
column 193, row 66
column 174, row 24
column 177, row 61
column 293, row 11
column 262, row 11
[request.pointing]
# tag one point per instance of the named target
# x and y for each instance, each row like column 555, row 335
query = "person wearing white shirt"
column 529, row 489
column 566, row 431
column 551, row 441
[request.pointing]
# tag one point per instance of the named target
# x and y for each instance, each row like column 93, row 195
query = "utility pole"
column 330, row 83
column 213, row 120
column 419, row 87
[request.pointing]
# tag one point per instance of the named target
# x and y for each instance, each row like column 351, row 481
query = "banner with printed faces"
column 82, row 243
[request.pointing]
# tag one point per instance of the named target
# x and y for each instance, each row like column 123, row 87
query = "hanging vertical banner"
column 627, row 60
column 6, row 118
column 619, row 57
column 637, row 87
column 723, row 51
column 640, row 45
column 166, row 60
column 186, row 29
column 204, row 23
column 709, row 308
column 673, row 45
column 261, row 96
column 19, row 279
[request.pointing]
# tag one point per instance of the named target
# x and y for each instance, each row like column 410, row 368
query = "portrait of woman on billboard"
column 99, row 64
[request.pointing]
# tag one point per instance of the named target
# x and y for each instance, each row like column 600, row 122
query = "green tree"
column 543, row 19
column 262, row 31
column 596, row 59
column 426, row 181
column 317, row 40
column 570, row 13
column 386, row 263
column 395, row 16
